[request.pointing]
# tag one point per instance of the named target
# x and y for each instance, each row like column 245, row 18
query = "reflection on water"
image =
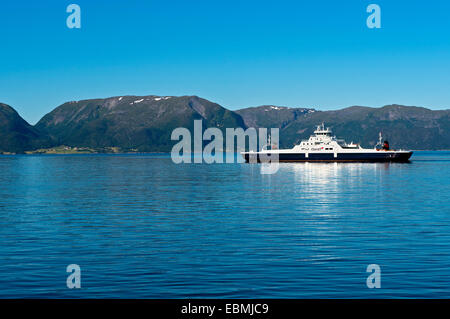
column 142, row 227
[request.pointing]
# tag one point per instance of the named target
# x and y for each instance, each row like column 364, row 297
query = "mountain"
column 145, row 124
column 16, row 135
column 271, row 115
column 405, row 126
column 141, row 123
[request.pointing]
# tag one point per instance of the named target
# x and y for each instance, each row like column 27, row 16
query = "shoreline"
column 34, row 153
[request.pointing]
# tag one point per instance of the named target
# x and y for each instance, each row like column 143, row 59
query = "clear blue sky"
column 237, row 53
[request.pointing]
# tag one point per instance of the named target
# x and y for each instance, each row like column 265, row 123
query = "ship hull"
column 374, row 157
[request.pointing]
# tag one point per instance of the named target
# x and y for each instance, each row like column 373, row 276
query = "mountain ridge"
column 144, row 123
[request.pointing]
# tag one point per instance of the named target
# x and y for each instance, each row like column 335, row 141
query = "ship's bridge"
column 322, row 131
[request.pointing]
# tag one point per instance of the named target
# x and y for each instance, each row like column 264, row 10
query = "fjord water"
column 140, row 226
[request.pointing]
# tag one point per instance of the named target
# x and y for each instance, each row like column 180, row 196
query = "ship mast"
column 380, row 140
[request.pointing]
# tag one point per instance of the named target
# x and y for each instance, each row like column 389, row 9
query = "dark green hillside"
column 142, row 123
column 16, row 135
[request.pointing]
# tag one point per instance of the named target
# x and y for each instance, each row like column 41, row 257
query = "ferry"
column 324, row 147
